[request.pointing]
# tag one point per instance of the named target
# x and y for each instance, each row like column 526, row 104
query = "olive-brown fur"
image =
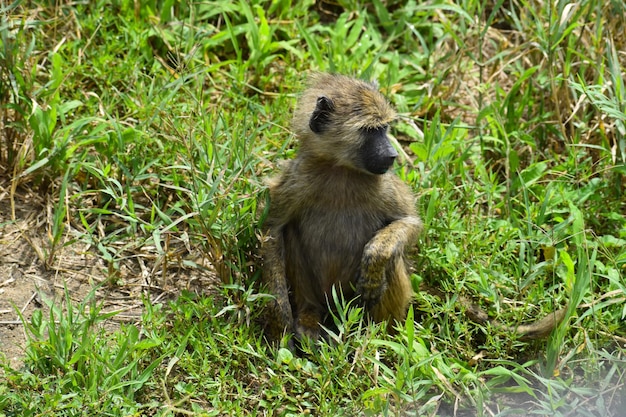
column 335, row 219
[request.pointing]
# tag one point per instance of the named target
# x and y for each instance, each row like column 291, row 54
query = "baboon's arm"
column 387, row 246
column 276, row 281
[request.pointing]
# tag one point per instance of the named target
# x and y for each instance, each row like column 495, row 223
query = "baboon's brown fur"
column 337, row 217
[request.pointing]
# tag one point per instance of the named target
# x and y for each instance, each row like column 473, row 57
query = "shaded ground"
column 30, row 275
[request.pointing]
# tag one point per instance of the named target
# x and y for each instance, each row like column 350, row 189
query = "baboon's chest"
column 329, row 244
column 345, row 231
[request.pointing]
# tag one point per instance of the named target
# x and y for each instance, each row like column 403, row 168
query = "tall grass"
column 152, row 125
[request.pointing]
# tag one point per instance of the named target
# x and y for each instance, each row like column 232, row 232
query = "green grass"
column 151, row 123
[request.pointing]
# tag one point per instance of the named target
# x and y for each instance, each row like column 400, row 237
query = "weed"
column 78, row 365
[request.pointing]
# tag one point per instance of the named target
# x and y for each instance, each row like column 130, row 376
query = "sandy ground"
column 31, row 275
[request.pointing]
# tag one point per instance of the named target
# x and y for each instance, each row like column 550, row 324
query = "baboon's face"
column 344, row 137
column 376, row 153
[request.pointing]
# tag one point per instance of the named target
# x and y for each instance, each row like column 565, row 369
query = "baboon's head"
column 344, row 121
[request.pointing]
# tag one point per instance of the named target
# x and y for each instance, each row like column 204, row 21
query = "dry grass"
column 34, row 276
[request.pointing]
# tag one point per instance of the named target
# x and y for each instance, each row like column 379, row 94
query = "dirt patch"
column 32, row 274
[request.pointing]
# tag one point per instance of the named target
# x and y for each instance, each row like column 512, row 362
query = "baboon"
column 337, row 216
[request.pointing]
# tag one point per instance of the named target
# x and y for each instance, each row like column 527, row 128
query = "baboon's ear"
column 321, row 115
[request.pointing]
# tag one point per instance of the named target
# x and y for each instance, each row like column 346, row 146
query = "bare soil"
column 33, row 274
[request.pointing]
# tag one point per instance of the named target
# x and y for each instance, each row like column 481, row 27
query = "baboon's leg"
column 308, row 324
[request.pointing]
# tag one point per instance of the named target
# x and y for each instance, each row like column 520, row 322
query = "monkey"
column 338, row 216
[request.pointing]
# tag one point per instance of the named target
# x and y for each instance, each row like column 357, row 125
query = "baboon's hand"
column 371, row 291
column 372, row 282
